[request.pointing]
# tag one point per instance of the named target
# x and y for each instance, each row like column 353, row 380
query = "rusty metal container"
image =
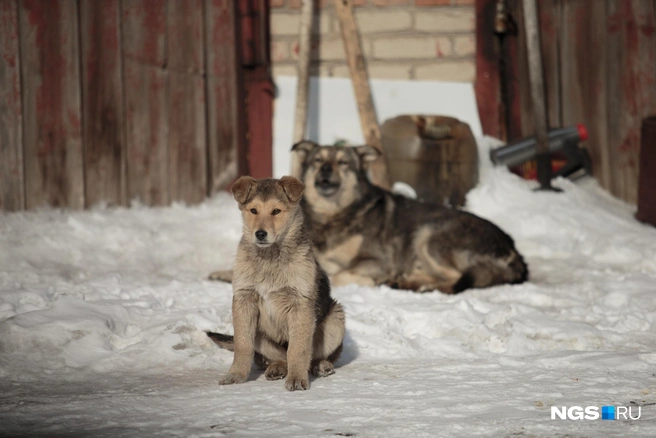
column 436, row 155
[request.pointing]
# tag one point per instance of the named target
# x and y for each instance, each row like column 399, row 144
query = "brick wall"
column 401, row 39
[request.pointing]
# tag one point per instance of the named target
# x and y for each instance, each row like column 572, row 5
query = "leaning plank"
column 12, row 195
column 360, row 80
column 187, row 134
column 51, row 103
column 102, row 103
column 225, row 123
column 146, row 100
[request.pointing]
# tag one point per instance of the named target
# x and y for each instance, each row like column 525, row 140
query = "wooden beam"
column 358, row 69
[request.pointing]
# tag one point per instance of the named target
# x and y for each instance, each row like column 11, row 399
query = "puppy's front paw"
column 230, row 379
column 294, row 383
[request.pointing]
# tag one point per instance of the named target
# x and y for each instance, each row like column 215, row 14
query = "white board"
column 333, row 115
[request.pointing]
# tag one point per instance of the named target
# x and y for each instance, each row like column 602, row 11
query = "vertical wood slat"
column 224, row 87
column 187, row 125
column 584, row 77
column 549, row 17
column 630, row 88
column 12, row 195
column 146, row 99
column 102, row 95
column 51, row 103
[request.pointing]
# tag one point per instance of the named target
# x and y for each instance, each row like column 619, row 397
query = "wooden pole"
column 360, row 80
column 303, row 84
column 536, row 74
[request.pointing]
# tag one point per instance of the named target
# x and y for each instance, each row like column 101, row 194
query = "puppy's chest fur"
column 283, row 281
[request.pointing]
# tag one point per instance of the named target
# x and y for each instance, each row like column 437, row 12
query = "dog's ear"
column 292, row 187
column 367, row 153
column 242, row 188
column 304, row 147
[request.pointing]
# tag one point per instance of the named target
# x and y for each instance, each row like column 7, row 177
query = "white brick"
column 464, row 45
column 445, row 20
column 284, row 70
column 377, row 70
column 389, row 71
column 450, row 71
column 279, row 51
column 411, row 47
column 380, row 20
column 285, row 23
column 325, row 49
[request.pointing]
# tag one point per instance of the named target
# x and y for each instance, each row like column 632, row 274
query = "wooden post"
column 537, row 92
column 303, row 83
column 378, row 169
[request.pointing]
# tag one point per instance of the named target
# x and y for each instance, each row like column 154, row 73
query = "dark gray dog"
column 366, row 235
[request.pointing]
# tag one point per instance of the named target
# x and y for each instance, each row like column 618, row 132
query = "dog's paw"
column 276, row 370
column 295, row 383
column 230, row 379
column 322, row 368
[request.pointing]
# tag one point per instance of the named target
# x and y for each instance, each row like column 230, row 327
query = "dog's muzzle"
column 326, row 183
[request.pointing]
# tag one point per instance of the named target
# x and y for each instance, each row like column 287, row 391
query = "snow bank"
column 124, row 292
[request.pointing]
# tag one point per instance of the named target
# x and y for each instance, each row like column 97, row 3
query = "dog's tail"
column 223, row 341
column 490, row 274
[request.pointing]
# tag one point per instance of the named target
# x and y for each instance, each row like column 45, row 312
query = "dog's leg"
column 349, row 277
column 328, row 340
column 244, row 319
column 300, row 321
column 221, row 276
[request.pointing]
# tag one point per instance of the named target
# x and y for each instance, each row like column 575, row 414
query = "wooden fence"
column 600, row 70
column 114, row 100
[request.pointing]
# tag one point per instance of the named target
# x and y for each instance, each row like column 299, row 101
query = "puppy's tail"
column 223, row 341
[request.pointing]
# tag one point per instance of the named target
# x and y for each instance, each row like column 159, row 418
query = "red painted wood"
column 631, row 88
column 187, row 126
column 260, row 91
column 12, row 195
column 102, row 94
column 146, row 100
column 51, row 103
column 225, row 91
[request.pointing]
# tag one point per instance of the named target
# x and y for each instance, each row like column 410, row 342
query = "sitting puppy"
column 366, row 235
column 282, row 310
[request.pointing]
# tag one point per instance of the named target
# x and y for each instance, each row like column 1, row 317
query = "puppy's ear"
column 304, row 147
column 367, row 153
column 242, row 188
column 292, row 187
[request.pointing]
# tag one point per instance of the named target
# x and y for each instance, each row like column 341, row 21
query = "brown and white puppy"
column 366, row 235
column 282, row 310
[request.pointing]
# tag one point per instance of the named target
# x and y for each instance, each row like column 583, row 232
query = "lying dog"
column 366, row 235
column 281, row 307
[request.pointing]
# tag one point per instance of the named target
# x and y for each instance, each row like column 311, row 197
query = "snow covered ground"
column 103, row 313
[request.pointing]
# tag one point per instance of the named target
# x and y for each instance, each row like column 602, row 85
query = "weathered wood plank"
column 102, row 95
column 224, row 86
column 187, row 126
column 146, row 100
column 584, row 77
column 51, row 103
column 12, row 195
column 631, row 92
